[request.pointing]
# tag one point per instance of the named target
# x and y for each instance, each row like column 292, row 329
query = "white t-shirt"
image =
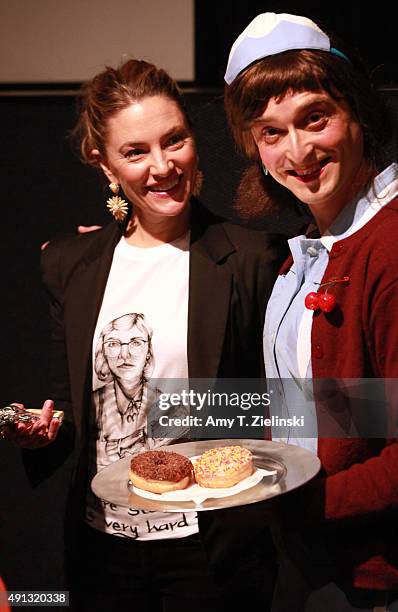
column 141, row 333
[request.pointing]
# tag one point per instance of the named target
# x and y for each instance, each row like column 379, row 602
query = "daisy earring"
column 116, row 205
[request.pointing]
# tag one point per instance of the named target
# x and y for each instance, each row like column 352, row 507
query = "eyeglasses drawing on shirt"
column 113, row 348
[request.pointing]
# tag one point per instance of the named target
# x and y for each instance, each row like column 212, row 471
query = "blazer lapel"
column 86, row 290
column 210, row 285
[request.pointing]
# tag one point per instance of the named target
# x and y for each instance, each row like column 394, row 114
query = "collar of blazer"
column 210, row 285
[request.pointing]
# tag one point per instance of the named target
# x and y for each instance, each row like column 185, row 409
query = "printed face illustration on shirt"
column 123, row 362
column 126, row 352
column 124, row 397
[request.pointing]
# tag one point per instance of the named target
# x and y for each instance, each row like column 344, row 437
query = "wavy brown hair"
column 113, row 90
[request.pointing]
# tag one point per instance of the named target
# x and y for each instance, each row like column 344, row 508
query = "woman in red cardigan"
column 317, row 131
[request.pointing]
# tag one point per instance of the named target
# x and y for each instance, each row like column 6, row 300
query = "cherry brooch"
column 322, row 300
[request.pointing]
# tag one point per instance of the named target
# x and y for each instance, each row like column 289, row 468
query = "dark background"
column 370, row 28
column 47, row 191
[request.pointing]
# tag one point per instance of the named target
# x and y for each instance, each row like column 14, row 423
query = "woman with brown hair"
column 168, row 291
column 317, row 130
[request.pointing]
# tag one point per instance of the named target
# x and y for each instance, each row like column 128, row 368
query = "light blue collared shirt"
column 288, row 323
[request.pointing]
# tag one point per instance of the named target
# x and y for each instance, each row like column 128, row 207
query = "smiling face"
column 150, row 153
column 311, row 144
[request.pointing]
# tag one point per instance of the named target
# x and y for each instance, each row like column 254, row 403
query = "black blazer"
column 232, row 270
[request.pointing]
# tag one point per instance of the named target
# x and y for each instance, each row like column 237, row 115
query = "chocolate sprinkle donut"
column 161, row 465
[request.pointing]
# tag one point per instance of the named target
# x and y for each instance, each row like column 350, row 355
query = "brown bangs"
column 305, row 70
column 273, row 77
column 295, row 75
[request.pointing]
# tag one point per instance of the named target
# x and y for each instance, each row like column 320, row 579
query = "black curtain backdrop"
column 368, row 28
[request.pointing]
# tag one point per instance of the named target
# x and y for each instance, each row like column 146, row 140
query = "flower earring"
column 116, row 205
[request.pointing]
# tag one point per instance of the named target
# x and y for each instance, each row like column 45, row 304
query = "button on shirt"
column 288, row 323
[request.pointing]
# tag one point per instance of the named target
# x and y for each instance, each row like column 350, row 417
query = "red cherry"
column 312, row 301
column 327, row 302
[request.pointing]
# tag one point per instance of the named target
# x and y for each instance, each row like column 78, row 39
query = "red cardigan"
column 355, row 501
